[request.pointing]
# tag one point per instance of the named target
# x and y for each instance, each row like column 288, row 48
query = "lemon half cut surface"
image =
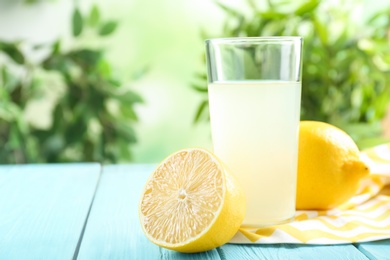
column 191, row 203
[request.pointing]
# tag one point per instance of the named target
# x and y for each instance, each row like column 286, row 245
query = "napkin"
column 365, row 217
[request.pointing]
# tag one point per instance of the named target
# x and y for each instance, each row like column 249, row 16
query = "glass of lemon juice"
column 254, row 88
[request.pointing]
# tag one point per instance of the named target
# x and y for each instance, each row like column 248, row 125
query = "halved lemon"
column 191, row 203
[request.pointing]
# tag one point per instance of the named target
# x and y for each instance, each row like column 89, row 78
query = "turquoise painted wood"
column 288, row 251
column 376, row 250
column 46, row 213
column 113, row 230
column 172, row 255
column 43, row 209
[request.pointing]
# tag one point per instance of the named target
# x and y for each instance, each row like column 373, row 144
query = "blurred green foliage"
column 346, row 62
column 93, row 115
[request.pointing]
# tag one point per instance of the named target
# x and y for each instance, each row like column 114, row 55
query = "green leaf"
column 125, row 152
column 12, row 82
column 308, row 7
column 108, row 28
column 129, row 97
column 229, row 10
column 58, row 117
column 125, row 131
column 59, row 63
column 31, row 2
column 77, row 22
column 74, row 129
column 14, row 138
column 378, row 15
column 54, row 144
column 37, row 47
column 4, row 76
column 9, row 112
column 139, row 73
column 201, row 109
column 115, row 83
column 272, row 15
column 4, row 116
column 104, row 68
column 240, row 25
column 12, row 51
column 341, row 41
column 321, row 30
column 128, row 112
column 86, row 58
column 201, row 76
column 202, row 89
column 56, row 47
column 88, row 150
column 94, row 16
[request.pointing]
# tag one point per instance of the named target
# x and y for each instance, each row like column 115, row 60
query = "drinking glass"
column 254, row 88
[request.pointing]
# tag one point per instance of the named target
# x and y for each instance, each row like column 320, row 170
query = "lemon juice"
column 255, row 133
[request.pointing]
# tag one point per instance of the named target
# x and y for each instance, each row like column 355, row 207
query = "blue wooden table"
column 86, row 211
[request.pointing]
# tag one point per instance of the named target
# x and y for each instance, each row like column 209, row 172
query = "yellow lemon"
column 191, row 203
column 329, row 167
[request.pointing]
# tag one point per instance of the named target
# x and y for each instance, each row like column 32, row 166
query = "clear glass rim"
column 257, row 39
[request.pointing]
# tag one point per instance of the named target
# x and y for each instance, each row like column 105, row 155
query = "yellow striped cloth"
column 365, row 217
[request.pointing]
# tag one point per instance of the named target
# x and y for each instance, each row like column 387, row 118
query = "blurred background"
column 124, row 81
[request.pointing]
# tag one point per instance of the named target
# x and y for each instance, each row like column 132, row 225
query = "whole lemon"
column 329, row 167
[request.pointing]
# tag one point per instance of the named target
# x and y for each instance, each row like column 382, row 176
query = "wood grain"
column 113, row 230
column 376, row 250
column 172, row 255
column 43, row 209
column 288, row 251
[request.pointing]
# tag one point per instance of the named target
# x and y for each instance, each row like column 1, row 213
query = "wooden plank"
column 172, row 255
column 43, row 209
column 288, row 251
column 113, row 230
column 376, row 250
